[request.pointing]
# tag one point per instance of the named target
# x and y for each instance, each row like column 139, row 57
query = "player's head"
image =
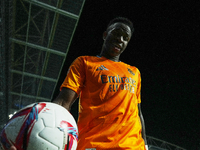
column 123, row 20
column 116, row 37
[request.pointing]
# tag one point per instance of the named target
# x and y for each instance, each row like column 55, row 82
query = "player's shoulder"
column 131, row 67
column 81, row 60
column 87, row 58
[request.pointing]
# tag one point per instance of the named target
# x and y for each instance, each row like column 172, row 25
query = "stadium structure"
column 34, row 34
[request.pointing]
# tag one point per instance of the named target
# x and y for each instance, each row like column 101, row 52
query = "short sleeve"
column 138, row 93
column 76, row 76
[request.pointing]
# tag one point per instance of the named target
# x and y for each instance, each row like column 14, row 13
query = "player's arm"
column 143, row 124
column 75, row 79
column 66, row 98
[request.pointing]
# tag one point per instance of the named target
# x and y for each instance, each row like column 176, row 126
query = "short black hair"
column 122, row 20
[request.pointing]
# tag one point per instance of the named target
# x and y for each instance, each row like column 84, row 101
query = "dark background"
column 165, row 48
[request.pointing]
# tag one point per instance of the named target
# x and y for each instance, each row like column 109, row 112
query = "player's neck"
column 113, row 58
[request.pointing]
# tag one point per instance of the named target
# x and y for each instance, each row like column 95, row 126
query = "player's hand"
column 12, row 148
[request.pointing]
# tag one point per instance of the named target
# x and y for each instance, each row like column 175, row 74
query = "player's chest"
column 111, row 73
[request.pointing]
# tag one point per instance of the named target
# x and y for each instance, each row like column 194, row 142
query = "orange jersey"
column 108, row 105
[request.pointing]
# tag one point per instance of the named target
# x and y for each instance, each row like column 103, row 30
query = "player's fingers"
column 12, row 148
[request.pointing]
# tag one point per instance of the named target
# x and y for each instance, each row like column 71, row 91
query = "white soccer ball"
column 40, row 126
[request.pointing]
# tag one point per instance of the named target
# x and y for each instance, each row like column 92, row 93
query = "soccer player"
column 110, row 114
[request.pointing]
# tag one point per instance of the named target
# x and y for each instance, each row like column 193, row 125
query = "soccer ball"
column 40, row 126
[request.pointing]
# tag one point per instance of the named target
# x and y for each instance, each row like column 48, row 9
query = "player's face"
column 116, row 39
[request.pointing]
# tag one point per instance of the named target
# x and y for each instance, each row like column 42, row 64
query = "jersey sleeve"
column 138, row 93
column 76, row 76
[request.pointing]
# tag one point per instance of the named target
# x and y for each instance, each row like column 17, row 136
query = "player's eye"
column 126, row 38
column 119, row 33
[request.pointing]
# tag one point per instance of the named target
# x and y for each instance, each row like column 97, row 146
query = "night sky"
column 165, row 48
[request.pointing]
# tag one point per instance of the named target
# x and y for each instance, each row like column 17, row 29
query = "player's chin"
column 118, row 53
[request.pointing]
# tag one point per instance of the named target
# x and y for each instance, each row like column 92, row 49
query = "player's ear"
column 104, row 35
